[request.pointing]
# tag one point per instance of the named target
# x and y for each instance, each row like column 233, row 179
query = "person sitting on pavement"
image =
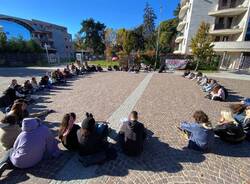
column 9, row 124
column 33, row 144
column 132, row 135
column 99, row 68
column 209, row 86
column 218, row 93
column 68, row 132
column 35, row 85
column 90, row 140
column 199, row 133
column 246, row 102
column 27, row 87
column 186, row 73
column 238, row 111
column 45, row 82
column 246, row 123
column 228, row 129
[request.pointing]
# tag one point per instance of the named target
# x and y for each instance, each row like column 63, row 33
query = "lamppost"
column 157, row 40
column 47, row 53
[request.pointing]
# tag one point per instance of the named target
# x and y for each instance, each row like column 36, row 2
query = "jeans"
column 6, row 158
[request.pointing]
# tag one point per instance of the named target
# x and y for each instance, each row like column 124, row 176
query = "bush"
column 210, row 66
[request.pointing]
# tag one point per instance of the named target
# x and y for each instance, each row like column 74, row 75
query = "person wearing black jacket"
column 68, row 132
column 90, row 141
column 132, row 135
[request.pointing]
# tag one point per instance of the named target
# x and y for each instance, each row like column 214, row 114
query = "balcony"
column 221, row 29
column 232, row 46
column 183, row 10
column 228, row 11
column 179, row 38
column 181, row 25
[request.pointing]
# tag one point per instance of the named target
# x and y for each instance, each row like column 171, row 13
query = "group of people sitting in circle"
column 30, row 87
column 233, row 127
column 28, row 140
column 214, row 90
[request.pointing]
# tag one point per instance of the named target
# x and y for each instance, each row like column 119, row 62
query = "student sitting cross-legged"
column 34, row 143
column 68, row 132
column 91, row 138
column 229, row 130
column 132, row 135
column 199, row 133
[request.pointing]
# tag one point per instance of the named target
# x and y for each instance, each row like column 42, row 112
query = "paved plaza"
column 163, row 101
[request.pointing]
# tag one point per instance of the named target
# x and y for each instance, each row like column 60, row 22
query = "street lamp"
column 47, row 53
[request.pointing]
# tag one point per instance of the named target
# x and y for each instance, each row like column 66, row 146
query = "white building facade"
column 230, row 29
column 191, row 14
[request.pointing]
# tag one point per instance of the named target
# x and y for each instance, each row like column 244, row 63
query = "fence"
column 22, row 59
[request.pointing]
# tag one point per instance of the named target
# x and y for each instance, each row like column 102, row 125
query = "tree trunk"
column 197, row 65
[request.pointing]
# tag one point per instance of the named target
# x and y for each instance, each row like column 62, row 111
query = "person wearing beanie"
column 34, row 143
column 90, row 142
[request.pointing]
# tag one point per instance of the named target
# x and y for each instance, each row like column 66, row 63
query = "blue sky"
column 69, row 13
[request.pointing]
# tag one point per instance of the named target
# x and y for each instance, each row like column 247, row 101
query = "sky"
column 70, row 13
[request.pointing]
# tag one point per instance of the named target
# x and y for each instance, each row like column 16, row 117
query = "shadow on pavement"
column 157, row 157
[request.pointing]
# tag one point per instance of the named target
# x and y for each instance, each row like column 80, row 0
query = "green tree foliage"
column 201, row 45
column 93, row 35
column 3, row 41
column 18, row 45
column 78, row 42
column 129, row 42
column 167, row 35
column 149, row 18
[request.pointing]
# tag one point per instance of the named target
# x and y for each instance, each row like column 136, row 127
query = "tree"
column 129, row 42
column 93, row 35
column 3, row 41
column 201, row 45
column 120, row 38
column 168, row 35
column 149, row 18
column 78, row 42
column 139, row 39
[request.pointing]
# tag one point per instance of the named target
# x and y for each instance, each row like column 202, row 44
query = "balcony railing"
column 231, row 5
column 223, row 26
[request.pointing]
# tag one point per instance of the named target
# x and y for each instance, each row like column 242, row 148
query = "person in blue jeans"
column 200, row 133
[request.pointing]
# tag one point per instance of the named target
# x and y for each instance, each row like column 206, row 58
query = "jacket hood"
column 30, row 124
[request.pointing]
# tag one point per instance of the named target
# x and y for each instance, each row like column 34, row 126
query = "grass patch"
column 104, row 63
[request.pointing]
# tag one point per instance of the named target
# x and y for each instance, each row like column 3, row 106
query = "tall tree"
column 3, row 41
column 79, row 42
column 149, row 18
column 201, row 45
column 121, row 36
column 93, row 35
column 139, row 39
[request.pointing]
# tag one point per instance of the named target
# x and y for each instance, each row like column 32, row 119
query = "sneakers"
column 3, row 167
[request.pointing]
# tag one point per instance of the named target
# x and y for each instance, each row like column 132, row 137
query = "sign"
column 176, row 64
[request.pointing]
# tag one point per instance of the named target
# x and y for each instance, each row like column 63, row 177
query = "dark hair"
column 237, row 108
column 134, row 114
column 216, row 89
column 201, row 117
column 64, row 125
column 73, row 115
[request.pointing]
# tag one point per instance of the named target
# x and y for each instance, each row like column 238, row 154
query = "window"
column 224, row 3
column 217, row 38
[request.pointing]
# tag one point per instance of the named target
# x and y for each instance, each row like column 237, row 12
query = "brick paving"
column 167, row 100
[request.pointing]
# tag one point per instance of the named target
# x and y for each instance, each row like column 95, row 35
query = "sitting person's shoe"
column 3, row 167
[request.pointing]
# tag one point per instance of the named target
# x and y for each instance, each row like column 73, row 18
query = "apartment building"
column 191, row 14
column 230, row 29
column 231, row 33
column 53, row 38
